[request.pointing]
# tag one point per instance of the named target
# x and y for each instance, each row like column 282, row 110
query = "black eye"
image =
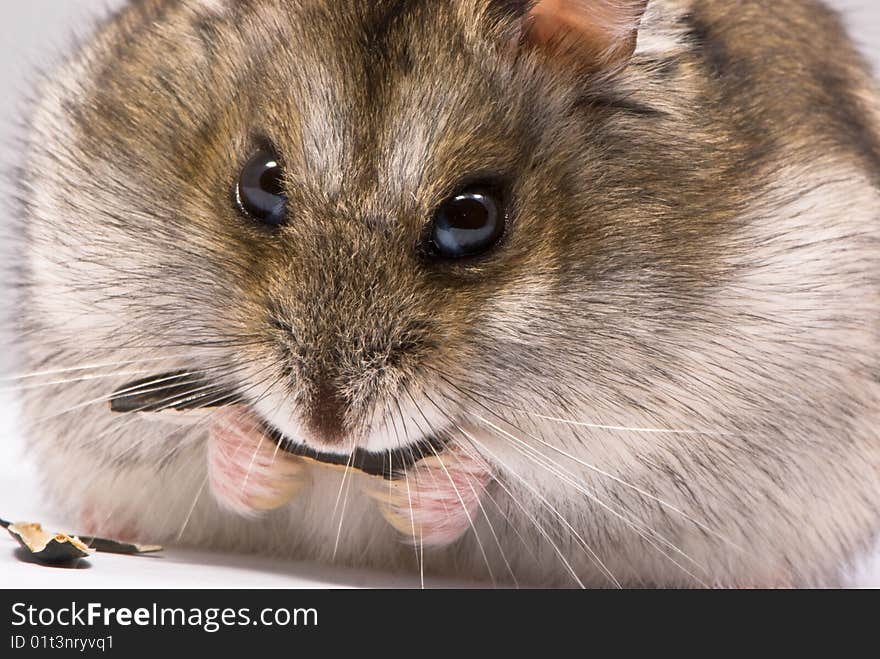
column 260, row 192
column 469, row 223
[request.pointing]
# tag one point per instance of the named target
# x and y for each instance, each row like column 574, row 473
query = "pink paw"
column 439, row 500
column 248, row 473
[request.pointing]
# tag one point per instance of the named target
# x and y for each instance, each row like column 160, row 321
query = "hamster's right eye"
column 259, row 192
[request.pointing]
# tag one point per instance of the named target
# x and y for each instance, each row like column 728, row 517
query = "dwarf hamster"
column 606, row 271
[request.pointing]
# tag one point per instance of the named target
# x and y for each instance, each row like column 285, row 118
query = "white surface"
column 184, row 569
column 29, row 33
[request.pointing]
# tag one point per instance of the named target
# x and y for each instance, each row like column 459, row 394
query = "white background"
column 31, row 34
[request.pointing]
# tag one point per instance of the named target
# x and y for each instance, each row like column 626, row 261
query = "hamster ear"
column 598, row 35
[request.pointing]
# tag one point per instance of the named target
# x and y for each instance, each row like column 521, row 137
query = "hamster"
column 614, row 263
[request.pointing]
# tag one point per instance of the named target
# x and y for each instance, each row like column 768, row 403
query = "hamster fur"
column 665, row 374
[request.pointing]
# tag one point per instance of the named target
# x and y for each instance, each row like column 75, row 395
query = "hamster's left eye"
column 469, row 223
column 259, row 192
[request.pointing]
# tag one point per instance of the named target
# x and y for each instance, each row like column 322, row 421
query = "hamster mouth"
column 390, row 465
column 179, row 393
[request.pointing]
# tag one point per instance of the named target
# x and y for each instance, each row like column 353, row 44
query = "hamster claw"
column 438, row 501
column 247, row 472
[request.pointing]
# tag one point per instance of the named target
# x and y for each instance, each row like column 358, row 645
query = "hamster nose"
column 325, row 418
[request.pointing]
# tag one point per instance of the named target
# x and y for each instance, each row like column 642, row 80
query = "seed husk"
column 178, row 392
column 182, row 392
column 49, row 548
column 66, row 549
column 106, row 546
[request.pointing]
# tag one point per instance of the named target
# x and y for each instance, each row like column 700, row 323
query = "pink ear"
column 600, row 34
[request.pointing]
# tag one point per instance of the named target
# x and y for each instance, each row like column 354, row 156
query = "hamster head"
column 535, row 229
column 359, row 201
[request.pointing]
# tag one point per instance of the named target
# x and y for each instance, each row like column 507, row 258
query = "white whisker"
column 641, row 530
column 591, row 553
column 614, row 478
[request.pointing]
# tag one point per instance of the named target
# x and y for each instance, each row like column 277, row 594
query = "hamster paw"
column 439, row 499
column 247, row 472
